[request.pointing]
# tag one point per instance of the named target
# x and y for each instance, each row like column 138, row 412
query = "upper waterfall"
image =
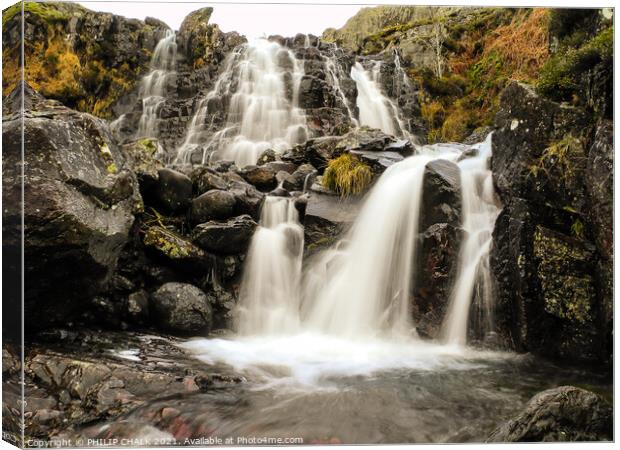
column 261, row 82
column 153, row 85
column 377, row 110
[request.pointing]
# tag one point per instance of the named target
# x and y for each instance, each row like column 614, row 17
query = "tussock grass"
column 347, row 175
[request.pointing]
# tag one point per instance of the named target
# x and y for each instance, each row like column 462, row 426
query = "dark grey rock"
column 181, row 308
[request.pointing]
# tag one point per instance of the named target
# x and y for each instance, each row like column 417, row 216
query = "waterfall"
column 335, row 74
column 269, row 297
column 261, row 80
column 376, row 110
column 474, row 274
column 363, row 287
column 153, row 85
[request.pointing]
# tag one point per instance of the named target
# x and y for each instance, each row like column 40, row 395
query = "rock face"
column 438, row 242
column 181, row 308
column 552, row 239
column 561, row 414
column 94, row 58
column 80, row 201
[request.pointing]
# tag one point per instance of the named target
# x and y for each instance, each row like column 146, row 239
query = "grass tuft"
column 347, row 175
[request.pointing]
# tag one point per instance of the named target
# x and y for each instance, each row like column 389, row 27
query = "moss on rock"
column 568, row 289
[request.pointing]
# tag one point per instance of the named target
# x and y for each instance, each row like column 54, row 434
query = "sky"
column 251, row 20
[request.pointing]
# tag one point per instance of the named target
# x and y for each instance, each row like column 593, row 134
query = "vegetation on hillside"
column 81, row 72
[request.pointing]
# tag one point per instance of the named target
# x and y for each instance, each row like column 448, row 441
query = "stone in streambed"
column 303, row 176
column 212, row 205
column 230, row 237
column 173, row 191
column 562, row 414
column 181, row 308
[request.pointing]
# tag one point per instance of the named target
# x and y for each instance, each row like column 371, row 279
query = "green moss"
column 561, row 77
column 347, row 175
column 49, row 12
column 171, row 245
column 562, row 161
column 111, row 168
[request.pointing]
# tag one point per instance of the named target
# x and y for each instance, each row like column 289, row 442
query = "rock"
column 562, row 414
column 266, row 157
column 138, row 306
column 441, row 195
column 300, row 179
column 173, row 247
column 434, row 277
column 96, row 73
column 541, row 152
column 326, row 217
column 599, row 189
column 328, row 121
column 181, row 308
column 526, row 125
column 478, row 135
column 248, row 200
column 231, row 237
column 173, row 191
column 206, row 179
column 79, row 208
column 214, row 204
column 263, row 177
column 223, row 303
column 11, row 364
column 143, row 160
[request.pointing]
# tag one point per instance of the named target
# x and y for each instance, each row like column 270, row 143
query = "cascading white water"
column 376, row 110
column 364, row 289
column 153, row 85
column 263, row 110
column 270, row 290
column 479, row 212
column 335, row 74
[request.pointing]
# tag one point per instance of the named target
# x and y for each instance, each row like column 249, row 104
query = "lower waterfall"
column 348, row 311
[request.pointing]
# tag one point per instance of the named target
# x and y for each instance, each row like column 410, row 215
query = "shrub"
column 347, row 175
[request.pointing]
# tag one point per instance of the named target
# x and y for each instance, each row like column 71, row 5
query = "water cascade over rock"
column 269, row 297
column 480, row 210
column 376, row 110
column 153, row 86
column 261, row 84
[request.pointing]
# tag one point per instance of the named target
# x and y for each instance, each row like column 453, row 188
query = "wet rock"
column 230, row 237
column 172, row 247
column 206, row 179
column 326, row 217
column 541, row 152
column 434, row 277
column 441, row 195
column 181, row 308
column 327, row 121
column 561, row 414
column 144, row 161
column 248, row 199
column 138, row 306
column 223, row 302
column 173, row 191
column 478, row 135
column 267, row 156
column 263, row 177
column 214, row 204
column 79, row 207
column 10, row 363
column 302, row 177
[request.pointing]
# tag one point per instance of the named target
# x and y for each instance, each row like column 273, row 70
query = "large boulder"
column 561, row 414
column 441, row 194
column 439, row 239
column 181, row 308
column 173, row 191
column 230, row 237
column 214, row 204
column 79, row 202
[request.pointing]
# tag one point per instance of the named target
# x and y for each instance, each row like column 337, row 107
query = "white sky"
column 251, row 20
